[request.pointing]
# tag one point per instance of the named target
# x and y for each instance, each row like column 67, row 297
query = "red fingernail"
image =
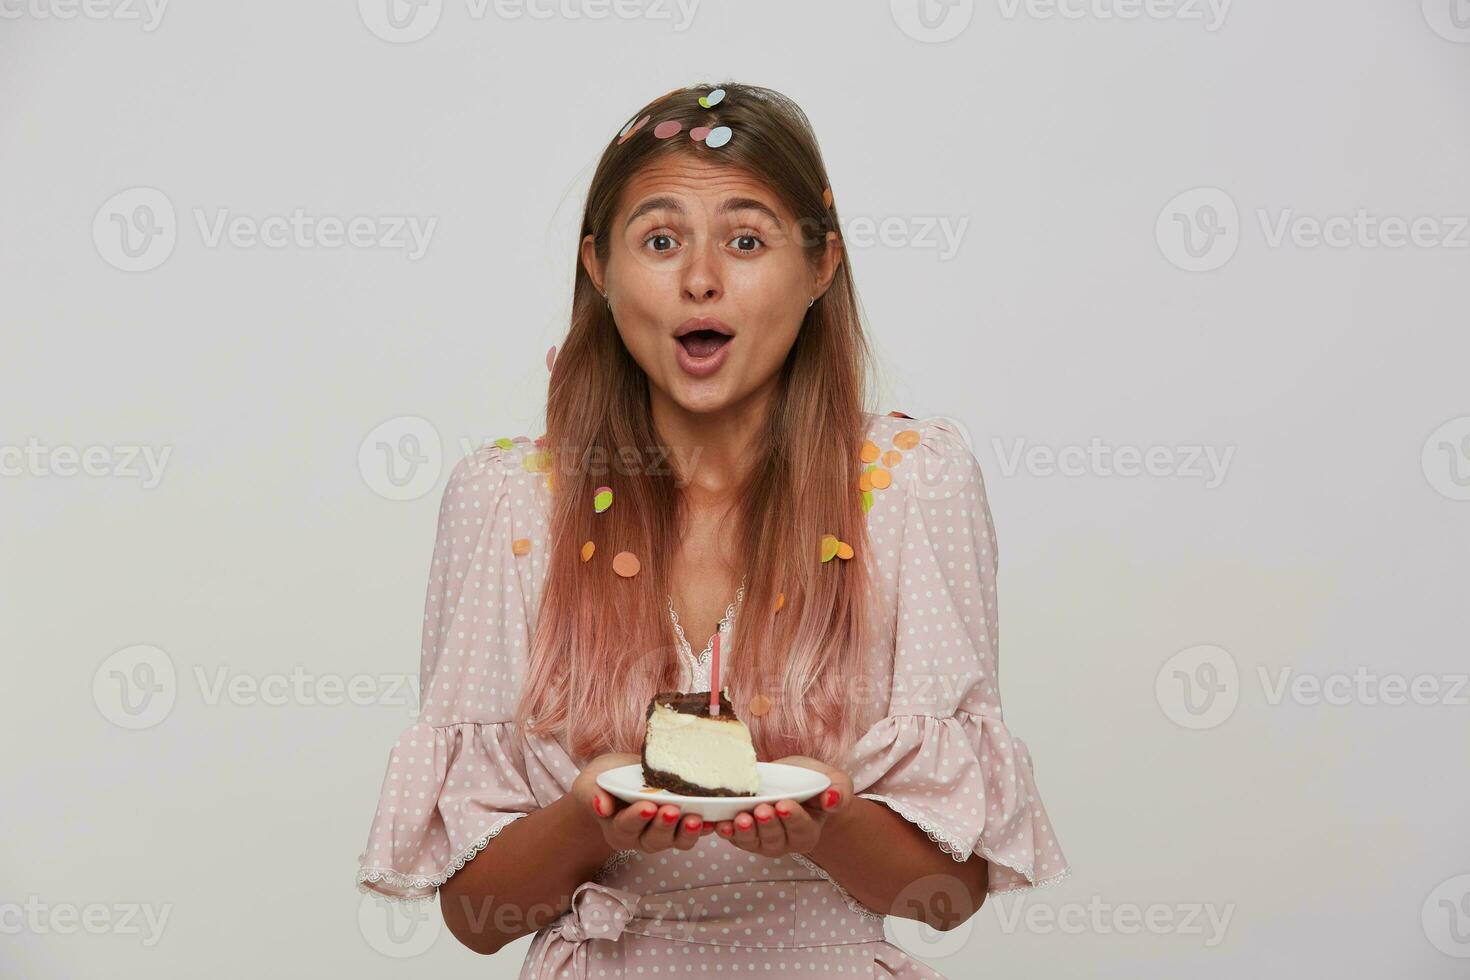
column 693, row 823
column 743, row 823
column 597, row 804
column 832, row 797
column 670, row 816
column 648, row 812
column 783, row 811
column 724, row 831
column 762, row 819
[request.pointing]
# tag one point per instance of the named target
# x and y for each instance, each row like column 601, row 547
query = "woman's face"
column 707, row 280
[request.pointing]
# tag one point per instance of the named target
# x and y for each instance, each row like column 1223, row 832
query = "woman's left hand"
column 790, row 826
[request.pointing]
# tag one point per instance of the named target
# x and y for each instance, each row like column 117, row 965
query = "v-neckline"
column 721, row 628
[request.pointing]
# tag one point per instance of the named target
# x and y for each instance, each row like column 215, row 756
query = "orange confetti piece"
column 759, row 705
column 827, row 197
column 587, row 549
column 865, row 481
column 907, row 439
column 844, row 550
column 892, row 458
column 869, row 452
column 626, row 564
column 780, row 600
column 882, row 479
column 520, row 546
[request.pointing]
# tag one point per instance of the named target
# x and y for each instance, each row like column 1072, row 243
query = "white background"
column 1334, row 542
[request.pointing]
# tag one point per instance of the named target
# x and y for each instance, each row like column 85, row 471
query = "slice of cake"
column 686, row 751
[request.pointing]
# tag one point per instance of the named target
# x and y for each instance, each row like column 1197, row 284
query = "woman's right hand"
column 639, row 826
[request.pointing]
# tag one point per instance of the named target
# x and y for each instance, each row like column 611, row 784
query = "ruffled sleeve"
column 458, row 776
column 943, row 758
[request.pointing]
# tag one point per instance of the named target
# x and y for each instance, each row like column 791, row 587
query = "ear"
column 828, row 264
column 591, row 263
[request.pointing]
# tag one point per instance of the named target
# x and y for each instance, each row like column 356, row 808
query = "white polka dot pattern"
column 935, row 749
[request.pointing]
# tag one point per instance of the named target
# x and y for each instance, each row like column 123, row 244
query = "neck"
column 711, row 452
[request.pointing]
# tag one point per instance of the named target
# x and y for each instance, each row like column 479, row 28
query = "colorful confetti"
column 626, row 564
column 780, row 600
column 844, row 550
column 713, row 99
column 759, row 705
column 865, row 480
column 892, row 458
column 698, row 133
column 882, row 479
column 907, row 439
column 829, row 547
column 827, row 197
column 631, row 128
column 520, row 546
column 551, row 357
column 867, row 501
column 602, row 499
column 718, row 136
column 869, row 452
column 506, row 443
column 588, row 547
column 667, row 128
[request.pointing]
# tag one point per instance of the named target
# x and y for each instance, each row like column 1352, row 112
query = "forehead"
column 687, row 178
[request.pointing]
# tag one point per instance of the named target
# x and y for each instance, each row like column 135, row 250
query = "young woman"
column 713, row 378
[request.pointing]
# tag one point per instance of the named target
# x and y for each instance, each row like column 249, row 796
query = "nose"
column 702, row 276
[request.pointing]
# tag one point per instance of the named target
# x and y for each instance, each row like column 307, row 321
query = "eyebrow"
column 667, row 203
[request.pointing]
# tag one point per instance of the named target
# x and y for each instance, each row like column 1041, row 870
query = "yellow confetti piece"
column 882, row 479
column 869, row 452
column 844, row 550
column 780, row 600
column 520, row 546
column 626, row 564
column 907, row 439
column 602, row 499
column 537, row 462
column 587, row 549
column 759, row 705
column 548, row 480
column 892, row 458
column 829, row 547
column 865, row 481
column 867, row 501
column 505, row 442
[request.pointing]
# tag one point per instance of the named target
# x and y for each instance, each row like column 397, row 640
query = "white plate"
column 778, row 782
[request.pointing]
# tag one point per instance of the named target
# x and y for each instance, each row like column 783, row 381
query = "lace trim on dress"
column 821, row 872
column 956, row 850
column 397, row 879
column 695, row 663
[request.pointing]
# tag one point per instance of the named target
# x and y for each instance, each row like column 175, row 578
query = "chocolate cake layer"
column 688, row 703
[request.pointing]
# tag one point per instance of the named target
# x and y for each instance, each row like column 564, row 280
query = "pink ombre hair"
column 604, row 645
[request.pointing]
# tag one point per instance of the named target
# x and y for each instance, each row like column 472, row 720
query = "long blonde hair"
column 604, row 644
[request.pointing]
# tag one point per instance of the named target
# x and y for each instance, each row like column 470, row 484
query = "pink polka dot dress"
column 936, row 749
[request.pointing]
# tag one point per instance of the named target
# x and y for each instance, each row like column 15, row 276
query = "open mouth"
column 703, row 343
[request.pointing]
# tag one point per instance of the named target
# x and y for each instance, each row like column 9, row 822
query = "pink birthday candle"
column 714, row 678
